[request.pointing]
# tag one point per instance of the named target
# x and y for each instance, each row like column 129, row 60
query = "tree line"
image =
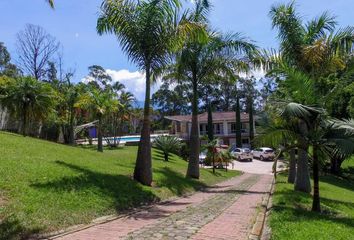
column 42, row 100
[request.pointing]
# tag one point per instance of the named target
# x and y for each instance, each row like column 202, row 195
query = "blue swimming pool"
column 130, row 139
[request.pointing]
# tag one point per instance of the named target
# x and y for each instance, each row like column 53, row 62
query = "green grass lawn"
column 46, row 186
column 291, row 217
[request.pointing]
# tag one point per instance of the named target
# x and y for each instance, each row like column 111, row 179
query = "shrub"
column 167, row 144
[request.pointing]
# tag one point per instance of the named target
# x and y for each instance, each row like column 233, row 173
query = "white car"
column 241, row 154
column 263, row 153
column 202, row 157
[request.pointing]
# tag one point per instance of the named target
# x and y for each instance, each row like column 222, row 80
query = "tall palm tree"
column 200, row 59
column 28, row 99
column 147, row 31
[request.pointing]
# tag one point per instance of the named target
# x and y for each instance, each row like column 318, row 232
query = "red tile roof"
column 217, row 116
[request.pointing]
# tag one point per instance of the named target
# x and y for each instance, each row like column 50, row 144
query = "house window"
column 245, row 141
column 203, row 128
column 233, row 127
column 218, row 128
column 178, row 126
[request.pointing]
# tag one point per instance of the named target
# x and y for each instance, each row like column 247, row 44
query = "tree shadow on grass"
column 11, row 229
column 122, row 189
column 298, row 214
column 176, row 182
column 297, row 205
column 159, row 156
column 339, row 181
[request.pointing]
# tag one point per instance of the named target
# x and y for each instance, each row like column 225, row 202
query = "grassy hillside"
column 291, row 217
column 46, row 186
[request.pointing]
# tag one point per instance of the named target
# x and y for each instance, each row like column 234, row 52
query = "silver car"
column 242, row 154
column 263, row 153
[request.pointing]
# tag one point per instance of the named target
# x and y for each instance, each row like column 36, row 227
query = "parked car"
column 202, row 157
column 263, row 153
column 242, row 154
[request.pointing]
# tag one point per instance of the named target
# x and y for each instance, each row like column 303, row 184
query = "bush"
column 167, row 144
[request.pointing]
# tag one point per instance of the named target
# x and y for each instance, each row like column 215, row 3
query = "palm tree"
column 168, row 145
column 99, row 103
column 315, row 47
column 28, row 99
column 325, row 135
column 211, row 147
column 307, row 51
column 198, row 60
column 148, row 31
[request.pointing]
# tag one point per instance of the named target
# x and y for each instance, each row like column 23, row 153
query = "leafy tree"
column 100, row 77
column 6, row 67
column 171, row 102
column 168, row 145
column 27, row 99
column 148, row 31
column 4, row 57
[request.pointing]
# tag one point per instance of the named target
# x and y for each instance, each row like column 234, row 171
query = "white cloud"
column 133, row 81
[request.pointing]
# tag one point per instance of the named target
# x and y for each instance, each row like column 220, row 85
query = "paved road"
column 224, row 211
column 256, row 166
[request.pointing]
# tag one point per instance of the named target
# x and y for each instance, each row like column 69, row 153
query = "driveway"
column 256, row 166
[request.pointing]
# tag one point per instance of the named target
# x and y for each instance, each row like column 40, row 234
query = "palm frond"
column 299, row 85
column 318, row 27
column 290, row 30
column 341, row 42
column 51, row 3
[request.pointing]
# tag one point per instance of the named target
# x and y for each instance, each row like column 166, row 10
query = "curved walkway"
column 224, row 211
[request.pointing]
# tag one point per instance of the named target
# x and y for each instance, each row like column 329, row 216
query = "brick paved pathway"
column 224, row 211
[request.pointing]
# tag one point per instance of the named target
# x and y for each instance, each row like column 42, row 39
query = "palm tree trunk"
column 213, row 161
column 302, row 179
column 316, row 206
column 99, row 135
column 193, row 164
column 238, row 123
column 210, row 123
column 143, row 168
column 292, row 166
column 336, row 162
column 250, row 109
column 165, row 156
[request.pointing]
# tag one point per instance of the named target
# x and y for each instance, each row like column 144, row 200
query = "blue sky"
column 73, row 24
